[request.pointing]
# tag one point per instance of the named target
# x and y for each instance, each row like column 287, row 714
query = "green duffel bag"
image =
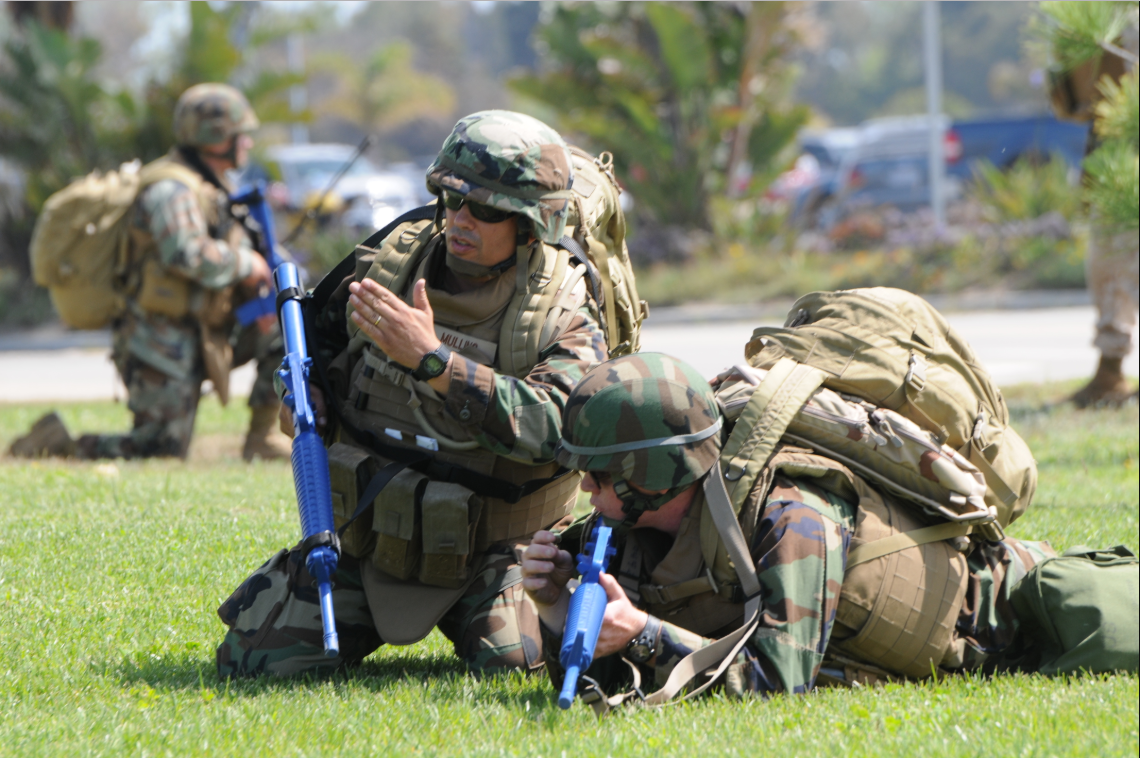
column 1077, row 612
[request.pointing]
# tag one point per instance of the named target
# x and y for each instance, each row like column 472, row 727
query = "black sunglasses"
column 453, row 201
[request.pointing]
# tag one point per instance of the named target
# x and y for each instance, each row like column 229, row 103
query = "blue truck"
column 885, row 161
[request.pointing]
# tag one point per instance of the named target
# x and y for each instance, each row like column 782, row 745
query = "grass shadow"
column 173, row 672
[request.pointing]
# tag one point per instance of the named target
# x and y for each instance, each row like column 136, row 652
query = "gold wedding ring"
column 376, row 323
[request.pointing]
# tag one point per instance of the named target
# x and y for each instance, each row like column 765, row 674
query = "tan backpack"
column 80, row 245
column 879, row 386
column 597, row 225
column 892, row 349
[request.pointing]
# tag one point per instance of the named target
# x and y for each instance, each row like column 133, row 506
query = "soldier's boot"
column 48, row 436
column 1108, row 386
column 264, row 440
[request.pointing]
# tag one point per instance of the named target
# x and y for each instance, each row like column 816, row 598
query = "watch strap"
column 644, row 646
column 421, row 372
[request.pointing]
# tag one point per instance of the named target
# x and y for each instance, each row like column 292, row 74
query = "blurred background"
column 765, row 149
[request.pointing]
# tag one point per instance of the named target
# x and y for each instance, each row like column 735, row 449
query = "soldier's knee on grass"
column 275, row 625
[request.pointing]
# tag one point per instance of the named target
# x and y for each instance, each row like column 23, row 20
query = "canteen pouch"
column 398, row 525
column 215, row 308
column 1077, row 612
column 163, row 293
column 349, row 473
column 450, row 513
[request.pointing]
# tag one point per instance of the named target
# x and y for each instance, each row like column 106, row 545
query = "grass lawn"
column 110, row 575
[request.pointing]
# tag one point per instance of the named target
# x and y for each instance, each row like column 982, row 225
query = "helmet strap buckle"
column 634, row 503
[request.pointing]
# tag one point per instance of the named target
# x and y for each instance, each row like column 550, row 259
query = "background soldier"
column 663, row 604
column 1112, row 264
column 189, row 254
column 456, row 344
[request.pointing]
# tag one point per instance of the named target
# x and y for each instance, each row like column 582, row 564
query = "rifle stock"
column 310, row 459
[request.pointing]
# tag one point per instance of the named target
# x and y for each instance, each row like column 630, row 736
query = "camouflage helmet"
column 509, row 161
column 647, row 418
column 207, row 114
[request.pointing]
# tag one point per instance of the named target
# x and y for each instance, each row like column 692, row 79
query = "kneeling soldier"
column 453, row 349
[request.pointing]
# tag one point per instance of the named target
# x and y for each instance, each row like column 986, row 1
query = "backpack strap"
column 762, row 423
column 720, row 654
column 869, row 551
column 771, row 408
column 347, row 266
column 163, row 169
column 570, row 245
column 536, row 283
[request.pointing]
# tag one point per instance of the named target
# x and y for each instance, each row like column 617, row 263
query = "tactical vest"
column 151, row 285
column 896, row 613
column 421, row 528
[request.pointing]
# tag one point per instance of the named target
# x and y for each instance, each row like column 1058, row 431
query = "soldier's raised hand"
column 405, row 333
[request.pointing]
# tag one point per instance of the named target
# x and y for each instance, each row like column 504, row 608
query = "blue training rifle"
column 253, row 198
column 310, row 460
column 584, row 619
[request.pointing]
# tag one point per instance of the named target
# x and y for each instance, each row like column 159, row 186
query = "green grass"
column 110, row 575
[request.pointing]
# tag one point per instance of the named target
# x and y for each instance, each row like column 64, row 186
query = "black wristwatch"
column 644, row 646
column 433, row 364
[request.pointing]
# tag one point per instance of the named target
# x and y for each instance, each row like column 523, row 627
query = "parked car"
column 365, row 198
column 886, row 161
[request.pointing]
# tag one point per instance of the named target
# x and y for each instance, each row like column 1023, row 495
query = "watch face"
column 639, row 652
column 433, row 365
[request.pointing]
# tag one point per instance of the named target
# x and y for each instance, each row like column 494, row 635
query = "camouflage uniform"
column 193, row 236
column 516, row 164
column 799, row 545
column 275, row 619
column 158, row 356
column 800, row 572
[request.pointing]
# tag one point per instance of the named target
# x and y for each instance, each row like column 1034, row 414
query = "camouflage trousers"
column 1113, row 270
column 163, row 394
column 275, row 621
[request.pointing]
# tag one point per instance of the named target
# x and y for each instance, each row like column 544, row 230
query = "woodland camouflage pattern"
column 164, row 399
column 521, row 419
column 159, row 357
column 799, row 544
column 275, row 621
column 642, row 397
column 800, row 572
column 494, row 625
column 509, row 161
column 207, row 114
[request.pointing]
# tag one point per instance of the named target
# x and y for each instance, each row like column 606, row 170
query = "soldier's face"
column 479, row 241
column 233, row 153
column 605, row 501
column 602, row 495
column 241, row 150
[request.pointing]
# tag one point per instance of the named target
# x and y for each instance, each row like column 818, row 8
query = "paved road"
column 1016, row 345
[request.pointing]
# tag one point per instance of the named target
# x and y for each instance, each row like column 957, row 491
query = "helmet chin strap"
column 634, row 503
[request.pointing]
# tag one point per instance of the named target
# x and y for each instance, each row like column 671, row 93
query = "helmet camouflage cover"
column 509, row 161
column 647, row 418
column 207, row 114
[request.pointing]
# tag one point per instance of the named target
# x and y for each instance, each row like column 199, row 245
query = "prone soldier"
column 646, row 430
